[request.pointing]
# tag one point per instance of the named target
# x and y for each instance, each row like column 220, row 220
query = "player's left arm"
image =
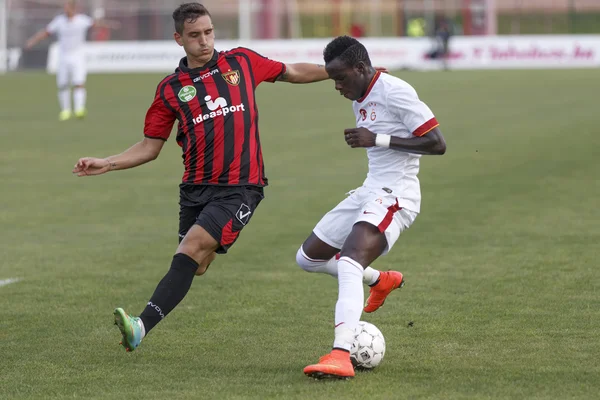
column 430, row 143
column 37, row 38
column 308, row 73
column 267, row 70
column 303, row 73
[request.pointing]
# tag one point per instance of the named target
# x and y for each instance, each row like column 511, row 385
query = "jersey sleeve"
column 53, row 26
column 414, row 114
column 87, row 21
column 159, row 117
column 263, row 68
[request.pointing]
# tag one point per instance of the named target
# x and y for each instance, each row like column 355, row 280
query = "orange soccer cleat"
column 388, row 281
column 336, row 365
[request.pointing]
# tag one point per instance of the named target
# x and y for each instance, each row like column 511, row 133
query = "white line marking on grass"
column 5, row 282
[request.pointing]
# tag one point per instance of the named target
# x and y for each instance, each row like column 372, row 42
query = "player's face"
column 351, row 82
column 198, row 38
column 69, row 8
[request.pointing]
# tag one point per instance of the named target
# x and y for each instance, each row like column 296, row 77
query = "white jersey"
column 71, row 33
column 391, row 107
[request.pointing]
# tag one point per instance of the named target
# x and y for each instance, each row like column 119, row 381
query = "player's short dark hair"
column 189, row 12
column 348, row 50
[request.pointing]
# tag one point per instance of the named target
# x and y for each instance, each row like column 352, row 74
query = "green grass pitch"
column 502, row 265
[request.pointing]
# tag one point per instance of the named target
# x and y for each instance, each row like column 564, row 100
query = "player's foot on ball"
column 335, row 365
column 130, row 329
column 388, row 281
column 65, row 115
column 81, row 113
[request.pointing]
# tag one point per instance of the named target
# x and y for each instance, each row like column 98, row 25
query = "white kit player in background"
column 396, row 128
column 71, row 30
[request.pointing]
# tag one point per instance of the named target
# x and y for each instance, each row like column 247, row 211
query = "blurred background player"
column 396, row 128
column 443, row 31
column 70, row 28
column 211, row 94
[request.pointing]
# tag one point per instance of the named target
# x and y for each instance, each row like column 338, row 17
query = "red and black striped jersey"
column 216, row 109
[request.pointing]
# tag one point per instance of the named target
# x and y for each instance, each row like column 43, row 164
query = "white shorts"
column 71, row 70
column 375, row 206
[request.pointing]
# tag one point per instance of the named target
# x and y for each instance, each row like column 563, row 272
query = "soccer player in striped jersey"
column 211, row 96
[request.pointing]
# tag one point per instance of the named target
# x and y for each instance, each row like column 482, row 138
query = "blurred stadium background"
column 274, row 19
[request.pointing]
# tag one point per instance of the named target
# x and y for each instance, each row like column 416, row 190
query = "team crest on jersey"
column 373, row 106
column 187, row 93
column 232, row 77
column 363, row 114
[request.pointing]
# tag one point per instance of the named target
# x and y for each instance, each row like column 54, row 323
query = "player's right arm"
column 35, row 39
column 158, row 125
column 44, row 33
column 138, row 154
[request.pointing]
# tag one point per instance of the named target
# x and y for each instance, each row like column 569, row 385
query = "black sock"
column 170, row 291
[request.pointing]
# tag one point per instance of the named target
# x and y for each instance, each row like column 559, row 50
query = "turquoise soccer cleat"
column 130, row 329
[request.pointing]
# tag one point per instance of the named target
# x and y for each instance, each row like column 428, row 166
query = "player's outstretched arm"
column 303, row 73
column 140, row 153
column 431, row 143
column 35, row 39
column 309, row 73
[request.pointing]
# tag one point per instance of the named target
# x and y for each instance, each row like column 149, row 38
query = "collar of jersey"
column 183, row 63
column 375, row 77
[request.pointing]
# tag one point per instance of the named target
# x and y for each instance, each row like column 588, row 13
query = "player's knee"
column 305, row 262
column 198, row 244
column 195, row 252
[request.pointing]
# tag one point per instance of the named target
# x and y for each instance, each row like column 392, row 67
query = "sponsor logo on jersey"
column 206, row 75
column 218, row 107
column 187, row 93
column 363, row 114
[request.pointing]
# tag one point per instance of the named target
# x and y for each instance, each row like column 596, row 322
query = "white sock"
column 64, row 98
column 79, row 95
column 348, row 308
column 370, row 276
column 330, row 267
column 142, row 327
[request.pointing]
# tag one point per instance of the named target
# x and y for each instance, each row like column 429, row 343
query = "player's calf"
column 203, row 267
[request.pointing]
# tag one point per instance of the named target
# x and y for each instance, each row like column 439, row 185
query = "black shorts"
column 222, row 210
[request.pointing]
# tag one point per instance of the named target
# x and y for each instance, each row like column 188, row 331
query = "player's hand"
column 359, row 137
column 382, row 69
column 91, row 166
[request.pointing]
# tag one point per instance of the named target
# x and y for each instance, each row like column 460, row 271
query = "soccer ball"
column 368, row 347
